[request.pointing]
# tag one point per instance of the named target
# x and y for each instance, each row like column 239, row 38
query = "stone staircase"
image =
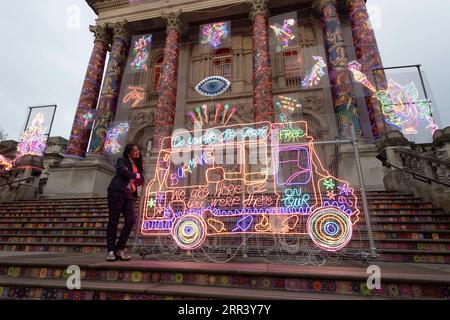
column 40, row 239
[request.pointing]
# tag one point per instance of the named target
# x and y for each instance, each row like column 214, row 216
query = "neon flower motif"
column 355, row 68
column 5, row 163
column 141, row 53
column 313, row 79
column 345, row 190
column 213, row 86
column 151, row 203
column 136, row 94
column 329, row 184
column 33, row 140
column 284, row 33
column 213, row 34
column 402, row 108
column 112, row 138
column 331, row 195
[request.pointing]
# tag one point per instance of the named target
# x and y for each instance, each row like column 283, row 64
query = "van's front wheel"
column 189, row 232
column 330, row 228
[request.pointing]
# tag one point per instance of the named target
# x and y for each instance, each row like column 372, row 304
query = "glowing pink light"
column 141, row 53
column 112, row 138
column 214, row 33
column 313, row 79
column 284, row 33
column 5, row 163
column 355, row 68
column 33, row 140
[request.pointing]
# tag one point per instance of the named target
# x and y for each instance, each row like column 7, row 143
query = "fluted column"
column 82, row 124
column 369, row 56
column 262, row 70
column 340, row 78
column 165, row 109
column 107, row 105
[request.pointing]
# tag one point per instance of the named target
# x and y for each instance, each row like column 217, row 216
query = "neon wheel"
column 330, row 229
column 189, row 232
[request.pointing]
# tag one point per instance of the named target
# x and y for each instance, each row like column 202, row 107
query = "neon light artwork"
column 214, row 34
column 112, row 145
column 88, row 117
column 33, row 139
column 141, row 53
column 213, row 86
column 135, row 94
column 285, row 107
column 206, row 116
column 355, row 68
column 316, row 74
column 5, row 163
column 402, row 108
column 283, row 33
column 204, row 196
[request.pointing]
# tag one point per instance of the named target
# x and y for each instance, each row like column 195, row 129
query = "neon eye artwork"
column 5, row 164
column 112, row 145
column 135, row 94
column 316, row 74
column 218, row 115
column 284, row 33
column 213, row 86
column 33, row 140
column 141, row 53
column 214, row 34
column 216, row 199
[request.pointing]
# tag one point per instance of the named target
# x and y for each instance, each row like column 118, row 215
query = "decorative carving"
column 141, row 118
column 173, row 20
column 258, row 7
column 121, row 31
column 313, row 103
column 320, row 4
column 101, row 33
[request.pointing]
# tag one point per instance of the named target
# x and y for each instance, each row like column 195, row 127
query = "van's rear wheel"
column 330, row 228
column 189, row 232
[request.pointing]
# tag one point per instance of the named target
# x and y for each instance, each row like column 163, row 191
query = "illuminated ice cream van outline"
column 295, row 196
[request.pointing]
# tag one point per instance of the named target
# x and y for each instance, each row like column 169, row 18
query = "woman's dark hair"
column 126, row 154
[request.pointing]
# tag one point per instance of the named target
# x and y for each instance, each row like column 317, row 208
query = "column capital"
column 101, row 33
column 173, row 20
column 258, row 7
column 320, row 4
column 121, row 30
column 349, row 2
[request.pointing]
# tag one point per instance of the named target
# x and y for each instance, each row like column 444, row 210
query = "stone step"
column 196, row 279
column 25, row 289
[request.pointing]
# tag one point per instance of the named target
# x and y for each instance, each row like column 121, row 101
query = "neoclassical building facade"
column 156, row 97
column 339, row 31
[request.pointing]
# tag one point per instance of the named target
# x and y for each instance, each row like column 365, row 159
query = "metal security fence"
column 295, row 195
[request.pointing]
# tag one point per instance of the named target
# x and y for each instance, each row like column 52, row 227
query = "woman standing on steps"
column 122, row 195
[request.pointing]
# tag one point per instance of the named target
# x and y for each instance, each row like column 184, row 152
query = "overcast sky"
column 46, row 46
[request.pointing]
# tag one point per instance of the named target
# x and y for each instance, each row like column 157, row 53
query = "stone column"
column 262, row 70
column 84, row 116
column 369, row 56
column 167, row 95
column 340, row 78
column 107, row 105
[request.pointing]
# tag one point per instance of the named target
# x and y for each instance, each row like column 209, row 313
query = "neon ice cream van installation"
column 274, row 183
